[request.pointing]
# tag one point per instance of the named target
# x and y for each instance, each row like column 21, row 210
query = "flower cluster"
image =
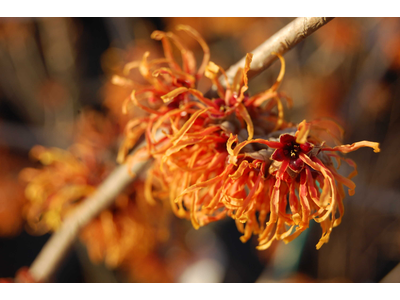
column 124, row 235
column 68, row 176
column 234, row 154
column 160, row 81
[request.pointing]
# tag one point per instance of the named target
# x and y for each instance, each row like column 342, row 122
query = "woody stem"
column 60, row 242
column 281, row 42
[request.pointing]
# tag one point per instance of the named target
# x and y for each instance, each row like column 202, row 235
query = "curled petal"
column 305, row 205
column 129, row 66
column 278, row 155
column 203, row 99
column 272, row 92
column 145, row 108
column 160, row 35
column 354, row 146
column 245, row 115
column 281, row 72
column 148, row 188
column 121, row 81
column 239, row 172
column 282, row 169
column 203, row 45
column 236, row 81
column 188, row 60
column 171, row 95
column 294, row 204
column 175, row 74
column 187, row 125
column 346, row 181
column 316, row 164
column 290, row 238
column 280, row 113
column 193, row 208
column 270, row 144
column 326, row 231
column 302, row 132
column 325, row 197
column 232, row 139
column 244, row 88
column 206, row 183
column 211, row 72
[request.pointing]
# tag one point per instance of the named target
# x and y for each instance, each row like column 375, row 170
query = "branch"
column 281, row 42
column 56, row 248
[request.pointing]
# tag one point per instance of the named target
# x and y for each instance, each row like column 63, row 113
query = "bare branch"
column 60, row 242
column 54, row 251
column 281, row 42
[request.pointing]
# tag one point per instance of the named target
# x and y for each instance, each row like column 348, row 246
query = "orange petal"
column 145, row 108
column 203, row 45
column 281, row 72
column 354, row 146
column 239, row 172
column 160, row 35
column 245, row 115
column 302, row 132
column 187, row 125
column 244, row 88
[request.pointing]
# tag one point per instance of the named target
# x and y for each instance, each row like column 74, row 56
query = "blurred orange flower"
column 124, row 234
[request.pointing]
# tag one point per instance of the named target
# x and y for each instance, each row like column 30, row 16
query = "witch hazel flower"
column 289, row 151
column 162, row 75
column 193, row 126
column 235, row 155
column 304, row 184
column 193, row 158
column 124, row 235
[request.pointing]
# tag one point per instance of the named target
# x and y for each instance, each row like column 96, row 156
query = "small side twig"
column 60, row 242
column 281, row 42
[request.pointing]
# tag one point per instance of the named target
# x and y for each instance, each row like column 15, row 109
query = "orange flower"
column 128, row 233
column 301, row 177
column 161, row 80
column 193, row 155
column 68, row 176
column 235, row 155
column 124, row 234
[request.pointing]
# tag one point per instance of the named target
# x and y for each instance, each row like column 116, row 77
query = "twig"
column 281, row 42
column 393, row 276
column 60, row 242
column 53, row 252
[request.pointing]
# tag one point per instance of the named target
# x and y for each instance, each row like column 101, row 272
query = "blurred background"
column 53, row 71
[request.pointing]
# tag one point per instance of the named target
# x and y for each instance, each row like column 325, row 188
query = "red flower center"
column 290, row 150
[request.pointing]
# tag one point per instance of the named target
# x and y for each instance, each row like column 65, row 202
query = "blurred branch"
column 281, row 42
column 393, row 276
column 60, row 242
